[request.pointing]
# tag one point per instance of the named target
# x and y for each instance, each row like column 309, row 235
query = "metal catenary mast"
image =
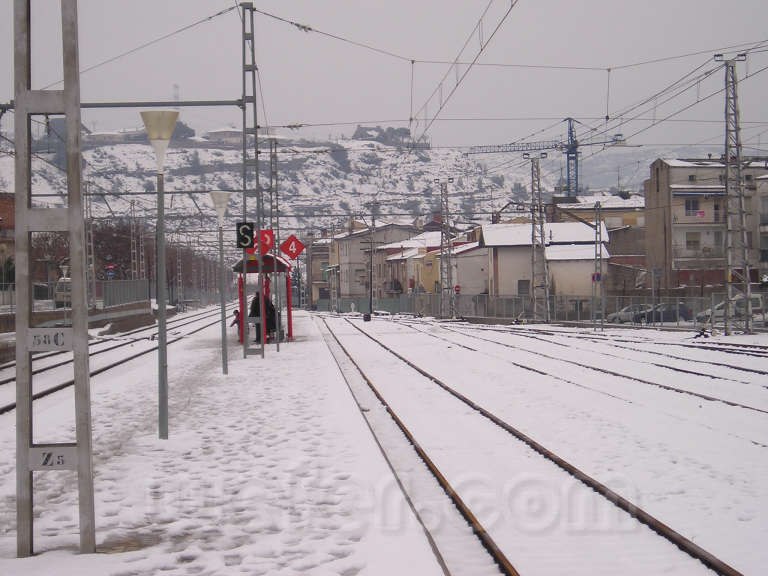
column 251, row 165
column 134, row 244
column 539, row 265
column 447, row 294
column 737, row 275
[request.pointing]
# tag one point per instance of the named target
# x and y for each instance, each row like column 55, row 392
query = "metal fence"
column 684, row 312
column 116, row 292
column 109, row 293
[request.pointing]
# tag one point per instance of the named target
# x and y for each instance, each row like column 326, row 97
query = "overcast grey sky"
column 309, row 78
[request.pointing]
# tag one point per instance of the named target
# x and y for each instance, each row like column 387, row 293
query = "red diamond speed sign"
column 292, row 247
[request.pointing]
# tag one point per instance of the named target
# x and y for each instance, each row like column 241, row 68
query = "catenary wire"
column 469, row 67
column 147, row 44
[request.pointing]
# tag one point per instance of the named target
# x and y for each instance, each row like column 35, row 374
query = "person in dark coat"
column 254, row 313
column 271, row 319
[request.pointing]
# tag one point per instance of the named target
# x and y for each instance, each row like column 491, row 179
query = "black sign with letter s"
column 244, row 234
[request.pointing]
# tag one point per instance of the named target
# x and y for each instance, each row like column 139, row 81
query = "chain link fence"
column 683, row 312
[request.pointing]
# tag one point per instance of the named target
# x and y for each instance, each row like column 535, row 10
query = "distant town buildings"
column 674, row 235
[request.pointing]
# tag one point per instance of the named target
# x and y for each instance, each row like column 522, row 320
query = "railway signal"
column 267, row 241
column 292, row 247
column 244, row 232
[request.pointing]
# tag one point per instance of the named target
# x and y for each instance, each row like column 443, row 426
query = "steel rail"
column 618, row 374
column 686, row 545
column 363, row 413
column 612, row 341
column 97, row 371
column 477, row 528
column 176, row 324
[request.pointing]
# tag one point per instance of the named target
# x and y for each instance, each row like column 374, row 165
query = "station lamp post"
column 220, row 199
column 159, row 125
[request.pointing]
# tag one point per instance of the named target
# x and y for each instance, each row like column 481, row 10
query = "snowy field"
column 273, row 469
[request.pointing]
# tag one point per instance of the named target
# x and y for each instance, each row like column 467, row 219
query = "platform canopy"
column 269, row 265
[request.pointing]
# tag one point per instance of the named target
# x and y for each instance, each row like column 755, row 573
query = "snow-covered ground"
column 698, row 465
column 268, row 470
column 272, row 469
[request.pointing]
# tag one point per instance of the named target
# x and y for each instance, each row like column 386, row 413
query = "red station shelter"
column 269, row 265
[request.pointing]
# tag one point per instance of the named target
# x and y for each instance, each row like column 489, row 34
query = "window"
column 763, row 247
column 691, row 206
column 763, row 210
column 523, row 287
column 718, row 240
column 692, row 240
column 691, row 177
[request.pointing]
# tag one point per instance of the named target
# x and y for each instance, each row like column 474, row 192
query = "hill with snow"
column 320, row 184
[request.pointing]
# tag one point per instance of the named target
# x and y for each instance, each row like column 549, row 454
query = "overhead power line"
column 593, row 68
column 455, row 66
column 147, row 44
column 308, row 29
column 683, row 84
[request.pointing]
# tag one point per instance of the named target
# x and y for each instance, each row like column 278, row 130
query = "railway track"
column 494, row 546
column 733, row 348
column 182, row 322
column 736, row 348
column 125, row 339
column 593, row 368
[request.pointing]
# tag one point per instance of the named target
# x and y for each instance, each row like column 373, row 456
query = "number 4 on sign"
column 292, row 247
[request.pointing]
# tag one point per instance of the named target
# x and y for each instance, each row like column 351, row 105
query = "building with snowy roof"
column 570, row 244
column 401, row 263
column 350, row 265
column 686, row 209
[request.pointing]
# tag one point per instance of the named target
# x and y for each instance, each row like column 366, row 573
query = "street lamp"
column 220, row 199
column 159, row 125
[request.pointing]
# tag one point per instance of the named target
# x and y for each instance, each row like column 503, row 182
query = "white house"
column 571, row 267
column 509, row 255
column 471, row 268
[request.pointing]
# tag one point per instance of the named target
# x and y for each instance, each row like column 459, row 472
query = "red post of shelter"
column 241, row 327
column 289, row 305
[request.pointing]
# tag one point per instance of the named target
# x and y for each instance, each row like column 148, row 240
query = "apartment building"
column 685, row 217
column 351, row 258
column 318, row 260
column 760, row 207
column 397, row 264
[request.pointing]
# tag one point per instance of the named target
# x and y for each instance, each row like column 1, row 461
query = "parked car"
column 627, row 313
column 738, row 309
column 664, row 312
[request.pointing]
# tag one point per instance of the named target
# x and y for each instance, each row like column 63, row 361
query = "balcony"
column 703, row 252
column 692, row 256
column 699, row 217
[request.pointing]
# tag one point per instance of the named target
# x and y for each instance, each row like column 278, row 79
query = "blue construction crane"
column 571, row 149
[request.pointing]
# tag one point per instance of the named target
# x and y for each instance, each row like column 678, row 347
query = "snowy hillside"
column 320, row 183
